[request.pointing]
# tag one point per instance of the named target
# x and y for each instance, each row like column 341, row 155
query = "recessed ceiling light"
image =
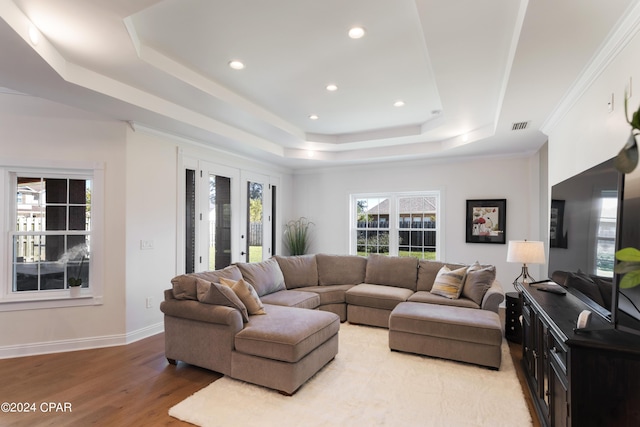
column 331, row 87
column 236, row 65
column 356, row 32
column 398, row 103
column 313, row 117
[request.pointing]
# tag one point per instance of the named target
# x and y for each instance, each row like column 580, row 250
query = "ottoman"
column 284, row 348
column 464, row 334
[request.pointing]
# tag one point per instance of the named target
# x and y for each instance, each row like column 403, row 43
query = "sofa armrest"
column 208, row 313
column 493, row 297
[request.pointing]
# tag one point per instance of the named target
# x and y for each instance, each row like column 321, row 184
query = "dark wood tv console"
column 585, row 378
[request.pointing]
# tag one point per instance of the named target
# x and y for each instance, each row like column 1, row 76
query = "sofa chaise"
column 288, row 329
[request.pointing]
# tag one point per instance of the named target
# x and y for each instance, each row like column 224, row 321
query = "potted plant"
column 75, row 283
column 296, row 236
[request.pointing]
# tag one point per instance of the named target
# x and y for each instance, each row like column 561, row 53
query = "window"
column 606, row 234
column 401, row 224
column 51, row 235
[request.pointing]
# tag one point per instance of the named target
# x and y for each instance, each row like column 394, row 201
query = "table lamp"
column 525, row 252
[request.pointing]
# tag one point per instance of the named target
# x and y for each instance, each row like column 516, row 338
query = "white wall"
column 323, row 197
column 141, row 203
column 152, row 211
column 151, row 216
column 588, row 134
column 32, row 128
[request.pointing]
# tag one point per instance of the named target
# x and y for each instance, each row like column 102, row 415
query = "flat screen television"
column 593, row 214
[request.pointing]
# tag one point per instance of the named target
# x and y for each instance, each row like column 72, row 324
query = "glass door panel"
column 219, row 222
column 257, row 217
column 255, row 225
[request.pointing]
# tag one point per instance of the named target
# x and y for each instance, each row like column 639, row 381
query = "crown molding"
column 615, row 43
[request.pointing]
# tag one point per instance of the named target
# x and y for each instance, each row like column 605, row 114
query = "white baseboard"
column 32, row 349
column 145, row 332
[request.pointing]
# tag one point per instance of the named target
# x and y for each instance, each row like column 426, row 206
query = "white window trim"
column 13, row 301
column 393, row 220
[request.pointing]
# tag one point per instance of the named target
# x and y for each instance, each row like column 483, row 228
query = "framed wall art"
column 486, row 221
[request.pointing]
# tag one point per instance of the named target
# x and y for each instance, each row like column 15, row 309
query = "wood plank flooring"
column 128, row 385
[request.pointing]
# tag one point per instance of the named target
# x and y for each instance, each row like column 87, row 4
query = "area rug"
column 369, row 385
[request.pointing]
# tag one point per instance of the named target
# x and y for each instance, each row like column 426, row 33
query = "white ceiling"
column 467, row 70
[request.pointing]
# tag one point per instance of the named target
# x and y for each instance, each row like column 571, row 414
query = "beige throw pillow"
column 217, row 294
column 448, row 283
column 478, row 281
column 247, row 295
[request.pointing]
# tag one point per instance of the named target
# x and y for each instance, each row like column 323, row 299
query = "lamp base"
column 524, row 276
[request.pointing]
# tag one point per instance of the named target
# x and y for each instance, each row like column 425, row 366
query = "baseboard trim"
column 145, row 332
column 60, row 346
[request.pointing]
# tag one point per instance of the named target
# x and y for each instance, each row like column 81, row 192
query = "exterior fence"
column 255, row 233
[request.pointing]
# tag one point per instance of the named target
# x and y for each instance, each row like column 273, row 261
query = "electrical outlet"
column 149, row 302
column 146, row 245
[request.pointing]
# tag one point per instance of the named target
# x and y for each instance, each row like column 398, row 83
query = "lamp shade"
column 526, row 252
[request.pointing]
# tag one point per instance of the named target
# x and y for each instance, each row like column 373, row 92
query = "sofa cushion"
column 478, row 281
column 377, row 296
column 428, row 297
column 217, row 294
column 286, row 333
column 340, row 269
column 246, row 293
column 265, row 277
column 449, row 283
column 452, row 323
column 333, row 294
column 184, row 286
column 400, row 272
column 427, row 272
column 293, row 298
column 298, row 271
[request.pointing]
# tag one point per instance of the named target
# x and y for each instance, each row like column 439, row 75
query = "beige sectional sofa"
column 304, row 299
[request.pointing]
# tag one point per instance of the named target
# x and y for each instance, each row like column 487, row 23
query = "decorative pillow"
column 449, row 283
column 217, row 294
column 478, row 281
column 427, row 272
column 266, row 276
column 184, row 286
column 247, row 295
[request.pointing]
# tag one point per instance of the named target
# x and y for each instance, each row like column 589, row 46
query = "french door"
column 258, row 217
column 228, row 216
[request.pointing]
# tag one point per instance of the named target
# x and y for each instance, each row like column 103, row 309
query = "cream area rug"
column 369, row 385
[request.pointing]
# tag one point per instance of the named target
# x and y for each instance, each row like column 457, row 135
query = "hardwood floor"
column 128, row 385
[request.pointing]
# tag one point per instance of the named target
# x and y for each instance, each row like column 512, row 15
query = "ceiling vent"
column 519, row 126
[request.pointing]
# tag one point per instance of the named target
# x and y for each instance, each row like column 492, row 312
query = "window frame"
column 394, row 223
column 11, row 300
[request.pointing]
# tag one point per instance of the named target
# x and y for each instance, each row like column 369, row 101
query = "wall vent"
column 519, row 125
